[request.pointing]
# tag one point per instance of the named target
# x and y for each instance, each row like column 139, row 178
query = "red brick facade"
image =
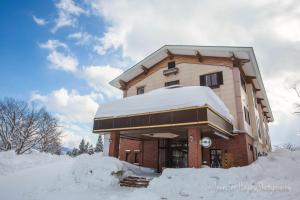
column 146, row 150
column 236, row 151
column 194, row 148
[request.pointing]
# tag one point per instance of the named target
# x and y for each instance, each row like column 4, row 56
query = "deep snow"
column 43, row 176
column 167, row 98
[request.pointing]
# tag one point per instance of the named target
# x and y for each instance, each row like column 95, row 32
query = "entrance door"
column 215, row 158
column 178, row 154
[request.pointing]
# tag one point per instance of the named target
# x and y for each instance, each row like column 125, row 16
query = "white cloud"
column 283, row 99
column 74, row 111
column 271, row 27
column 68, row 11
column 62, row 61
column 53, row 45
column 98, row 78
column 140, row 27
column 82, row 38
column 39, row 21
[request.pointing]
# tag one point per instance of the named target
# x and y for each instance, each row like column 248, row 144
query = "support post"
column 114, row 144
column 194, row 148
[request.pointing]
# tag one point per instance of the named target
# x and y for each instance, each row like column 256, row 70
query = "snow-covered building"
column 189, row 106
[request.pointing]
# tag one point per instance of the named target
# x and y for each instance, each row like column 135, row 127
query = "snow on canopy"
column 163, row 99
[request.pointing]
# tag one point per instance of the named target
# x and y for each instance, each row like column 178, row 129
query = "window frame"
column 171, row 64
column 170, row 83
column 247, row 116
column 138, row 88
column 214, row 82
column 243, row 82
column 136, row 157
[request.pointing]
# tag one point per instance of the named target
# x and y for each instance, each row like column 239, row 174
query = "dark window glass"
column 140, row 90
column 243, row 83
column 127, row 155
column 171, row 65
column 136, row 157
column 213, row 80
column 250, row 147
column 171, row 83
column 247, row 115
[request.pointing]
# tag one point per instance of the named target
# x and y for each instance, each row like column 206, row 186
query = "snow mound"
column 165, row 99
column 97, row 171
column 277, row 174
column 43, row 176
column 11, row 162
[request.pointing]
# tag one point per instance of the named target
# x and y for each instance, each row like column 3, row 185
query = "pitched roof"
column 250, row 68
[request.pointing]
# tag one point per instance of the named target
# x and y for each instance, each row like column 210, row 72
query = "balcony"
column 170, row 71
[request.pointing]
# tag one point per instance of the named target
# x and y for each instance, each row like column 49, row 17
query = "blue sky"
column 62, row 53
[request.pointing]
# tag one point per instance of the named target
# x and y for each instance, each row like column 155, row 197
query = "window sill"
column 170, row 71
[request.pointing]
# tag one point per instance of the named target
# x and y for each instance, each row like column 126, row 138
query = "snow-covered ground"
column 42, row 176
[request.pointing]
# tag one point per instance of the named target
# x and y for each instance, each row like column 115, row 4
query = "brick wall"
column 148, row 151
column 236, row 150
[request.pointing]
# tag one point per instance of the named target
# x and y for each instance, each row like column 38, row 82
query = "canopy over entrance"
column 165, row 108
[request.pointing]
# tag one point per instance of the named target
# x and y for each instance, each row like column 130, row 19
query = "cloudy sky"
column 63, row 53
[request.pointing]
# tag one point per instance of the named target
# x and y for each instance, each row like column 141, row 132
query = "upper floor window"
column 171, row 83
column 213, row 80
column 140, row 90
column 247, row 115
column 171, row 64
column 243, row 82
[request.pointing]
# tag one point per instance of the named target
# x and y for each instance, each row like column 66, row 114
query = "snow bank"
column 48, row 177
column 97, row 171
column 274, row 177
column 11, row 162
column 165, row 99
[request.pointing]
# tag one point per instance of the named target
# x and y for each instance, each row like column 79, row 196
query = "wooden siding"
column 173, row 118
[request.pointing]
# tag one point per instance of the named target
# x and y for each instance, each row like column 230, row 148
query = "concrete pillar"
column 106, row 144
column 114, row 144
column 194, row 151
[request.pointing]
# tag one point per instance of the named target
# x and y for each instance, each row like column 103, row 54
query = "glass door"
column 215, row 158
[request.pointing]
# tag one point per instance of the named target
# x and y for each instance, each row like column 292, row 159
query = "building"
column 189, row 106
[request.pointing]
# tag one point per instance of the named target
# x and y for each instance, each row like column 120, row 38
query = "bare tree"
column 50, row 136
column 12, row 116
column 297, row 90
column 23, row 127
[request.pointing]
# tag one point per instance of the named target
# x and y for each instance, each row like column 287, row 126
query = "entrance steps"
column 134, row 181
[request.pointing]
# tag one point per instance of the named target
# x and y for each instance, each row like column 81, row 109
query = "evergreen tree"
column 75, row 152
column 90, row 150
column 86, row 147
column 82, row 147
column 99, row 145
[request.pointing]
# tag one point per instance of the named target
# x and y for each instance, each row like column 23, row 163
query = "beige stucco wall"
column 231, row 93
column 189, row 75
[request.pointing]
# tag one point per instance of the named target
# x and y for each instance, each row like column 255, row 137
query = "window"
column 127, row 155
column 243, row 82
column 136, row 157
column 171, row 83
column 250, row 147
column 258, row 128
column 213, row 80
column 140, row 90
column 247, row 115
column 171, row 65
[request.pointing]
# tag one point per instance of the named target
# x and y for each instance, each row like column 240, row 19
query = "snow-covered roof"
column 163, row 99
column 250, row 68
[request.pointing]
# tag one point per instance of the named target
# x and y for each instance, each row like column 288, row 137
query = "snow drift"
column 276, row 176
column 43, row 176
